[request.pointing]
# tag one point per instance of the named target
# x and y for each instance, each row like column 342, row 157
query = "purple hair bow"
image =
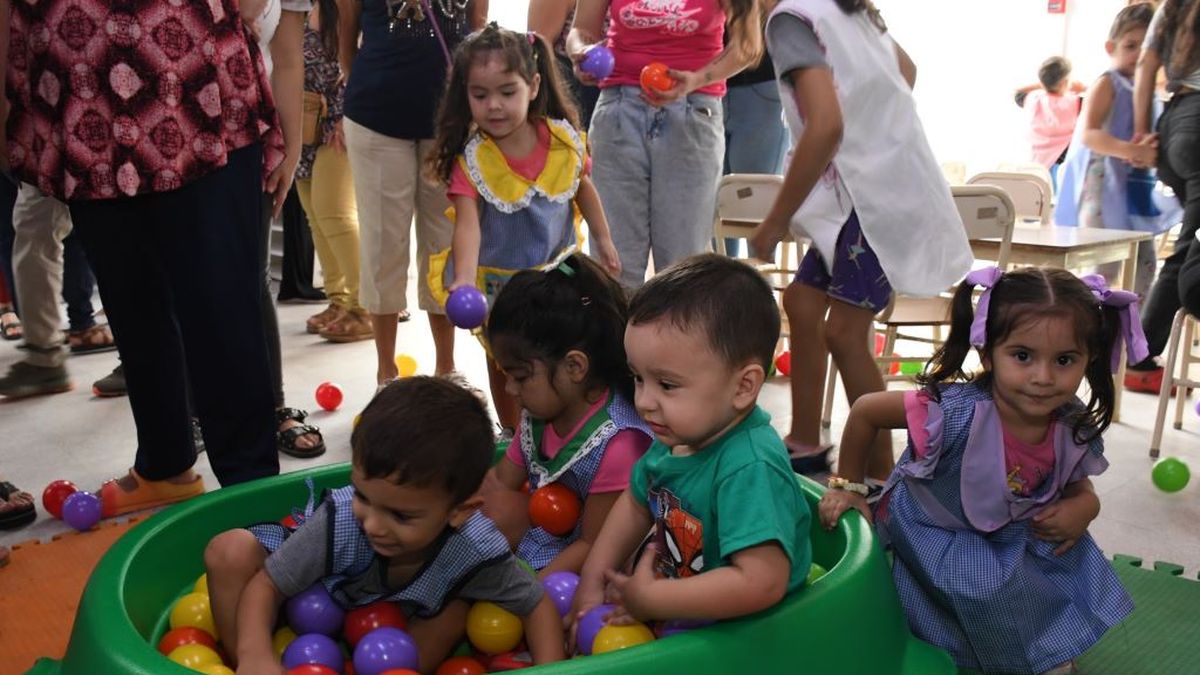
column 1126, row 304
column 985, row 277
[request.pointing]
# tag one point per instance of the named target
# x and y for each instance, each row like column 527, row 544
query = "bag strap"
column 437, row 30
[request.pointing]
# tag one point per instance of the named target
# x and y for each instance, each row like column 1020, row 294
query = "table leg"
column 1128, row 279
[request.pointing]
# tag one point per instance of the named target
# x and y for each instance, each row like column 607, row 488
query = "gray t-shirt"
column 1175, row 80
column 793, row 45
column 303, row 559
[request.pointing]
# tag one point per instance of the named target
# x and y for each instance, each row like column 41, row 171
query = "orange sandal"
column 149, row 494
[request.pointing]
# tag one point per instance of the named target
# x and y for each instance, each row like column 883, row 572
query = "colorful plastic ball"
column 185, row 635
column 193, row 610
column 215, row 669
column 281, row 639
column 910, row 368
column 589, row 625
column 313, row 648
column 329, row 396
column 614, row 638
column 1170, row 474
column 400, row 671
column 554, row 508
column 676, row 626
column 598, row 61
column 201, row 585
column 362, row 620
column 406, row 365
column 461, row 665
column 55, row 494
column 783, row 363
column 312, row 669
column 815, row 572
column 654, row 78
column 491, row 629
column 467, row 307
column 527, row 567
column 560, row 586
column 385, row 649
column 314, row 611
column 194, row 656
column 81, row 511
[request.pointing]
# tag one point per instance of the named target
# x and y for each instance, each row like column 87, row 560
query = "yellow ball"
column 195, row 656
column 613, row 638
column 407, row 365
column 491, row 629
column 193, row 610
column 282, row 638
column 216, row 669
column 201, row 585
column 357, row 418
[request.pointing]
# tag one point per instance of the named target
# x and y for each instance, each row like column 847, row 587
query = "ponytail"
column 947, row 362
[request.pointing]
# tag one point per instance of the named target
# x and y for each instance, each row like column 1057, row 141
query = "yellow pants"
column 328, row 200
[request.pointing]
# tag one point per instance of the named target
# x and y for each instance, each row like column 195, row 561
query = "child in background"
column 558, row 336
column 509, row 147
column 1096, row 173
column 406, row 529
column 730, row 524
column 1053, row 105
column 879, row 219
column 988, row 509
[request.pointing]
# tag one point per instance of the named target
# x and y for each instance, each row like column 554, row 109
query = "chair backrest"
column 743, row 200
column 1030, row 192
column 955, row 173
column 987, row 213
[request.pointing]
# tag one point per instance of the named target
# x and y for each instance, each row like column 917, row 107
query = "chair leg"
column 1184, row 367
column 830, row 390
column 1164, row 393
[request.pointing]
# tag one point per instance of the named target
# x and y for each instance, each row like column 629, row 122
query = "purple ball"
column 314, row 611
column 560, row 586
column 385, row 649
column 466, row 307
column 598, row 62
column 81, row 511
column 676, row 626
column 313, row 648
column 589, row 625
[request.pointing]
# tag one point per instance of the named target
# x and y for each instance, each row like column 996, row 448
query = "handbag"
column 314, row 113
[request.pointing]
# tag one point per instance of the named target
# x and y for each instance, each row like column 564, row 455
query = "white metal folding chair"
column 1030, row 193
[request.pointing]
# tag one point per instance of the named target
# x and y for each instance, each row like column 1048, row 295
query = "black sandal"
column 16, row 517
column 285, row 440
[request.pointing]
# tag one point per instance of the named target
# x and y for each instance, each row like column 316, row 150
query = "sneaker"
column 25, row 379
column 110, row 385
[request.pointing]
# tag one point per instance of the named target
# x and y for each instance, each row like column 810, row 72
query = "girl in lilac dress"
column 988, row 508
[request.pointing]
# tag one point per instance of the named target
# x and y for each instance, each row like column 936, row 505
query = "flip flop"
column 10, row 325
column 10, row 519
column 149, row 494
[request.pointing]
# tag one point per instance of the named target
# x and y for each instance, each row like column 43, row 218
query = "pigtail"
column 947, row 362
column 605, row 305
column 329, row 25
column 453, row 124
column 1089, row 423
column 553, row 99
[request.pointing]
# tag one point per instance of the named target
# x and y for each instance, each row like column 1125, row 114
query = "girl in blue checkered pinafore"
column 988, row 508
column 510, row 151
column 558, row 336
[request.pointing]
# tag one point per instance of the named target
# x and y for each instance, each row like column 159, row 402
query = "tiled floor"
column 86, row 439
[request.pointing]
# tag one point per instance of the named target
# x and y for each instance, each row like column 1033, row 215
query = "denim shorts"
column 856, row 277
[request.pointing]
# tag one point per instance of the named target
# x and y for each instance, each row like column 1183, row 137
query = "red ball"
column 654, row 77
column 783, row 363
column 554, row 508
column 461, row 665
column 55, row 494
column 185, row 635
column 312, row 669
column 329, row 395
column 363, row 620
column 400, row 671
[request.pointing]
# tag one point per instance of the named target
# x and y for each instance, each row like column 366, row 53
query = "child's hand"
column 607, row 252
column 635, row 591
column 1144, row 154
column 836, row 502
column 1066, row 520
column 765, row 238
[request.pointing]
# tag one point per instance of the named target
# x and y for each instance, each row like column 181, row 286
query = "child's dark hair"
column 1029, row 294
column 1131, row 17
column 1054, row 72
column 854, row 6
column 329, row 18
column 526, row 54
column 425, row 431
column 727, row 301
column 1176, row 36
column 544, row 315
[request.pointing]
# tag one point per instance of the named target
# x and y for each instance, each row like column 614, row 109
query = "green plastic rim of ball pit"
column 826, row 627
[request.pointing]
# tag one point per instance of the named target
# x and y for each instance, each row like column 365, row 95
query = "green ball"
column 910, row 368
column 815, row 572
column 1170, row 475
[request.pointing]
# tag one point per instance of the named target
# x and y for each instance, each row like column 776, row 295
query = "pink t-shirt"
column 1051, row 124
column 683, row 34
column 624, row 449
column 528, row 167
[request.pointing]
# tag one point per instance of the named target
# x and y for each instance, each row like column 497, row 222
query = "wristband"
column 839, row 483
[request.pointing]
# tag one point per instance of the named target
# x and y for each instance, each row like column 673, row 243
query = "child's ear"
column 577, row 365
column 1110, row 47
column 750, row 378
column 536, row 85
column 465, row 509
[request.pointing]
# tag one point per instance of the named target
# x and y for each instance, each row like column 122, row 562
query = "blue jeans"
column 756, row 139
column 656, row 170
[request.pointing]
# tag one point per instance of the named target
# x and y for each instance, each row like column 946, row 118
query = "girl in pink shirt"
column 558, row 336
column 1053, row 104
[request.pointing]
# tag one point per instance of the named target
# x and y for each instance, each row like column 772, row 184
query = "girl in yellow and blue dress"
column 510, row 151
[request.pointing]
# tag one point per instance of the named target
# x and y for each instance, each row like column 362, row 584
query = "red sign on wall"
column 1056, row 6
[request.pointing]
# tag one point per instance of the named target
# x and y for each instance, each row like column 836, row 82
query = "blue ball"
column 385, row 649
column 313, row 648
column 314, row 611
column 81, row 511
column 467, row 307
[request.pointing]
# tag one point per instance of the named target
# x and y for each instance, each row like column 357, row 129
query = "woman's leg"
column 270, row 319
column 620, row 167
column 434, row 232
column 335, row 231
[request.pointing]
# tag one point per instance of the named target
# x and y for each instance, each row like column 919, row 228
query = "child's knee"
column 846, row 338
column 234, row 551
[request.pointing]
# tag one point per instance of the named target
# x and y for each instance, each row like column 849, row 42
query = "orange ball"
column 555, row 509
column 461, row 665
column 654, row 77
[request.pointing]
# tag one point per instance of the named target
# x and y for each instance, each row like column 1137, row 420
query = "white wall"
column 509, row 13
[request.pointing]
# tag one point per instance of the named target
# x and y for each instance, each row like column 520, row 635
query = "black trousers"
column 180, row 274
